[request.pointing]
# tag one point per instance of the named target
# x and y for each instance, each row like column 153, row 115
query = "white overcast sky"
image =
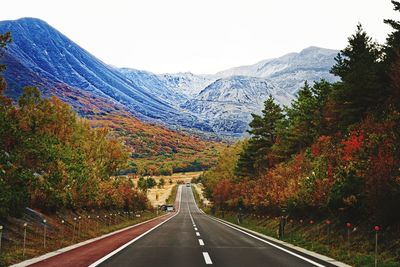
column 203, row 36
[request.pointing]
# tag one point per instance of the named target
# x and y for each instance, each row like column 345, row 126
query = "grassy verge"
column 61, row 234
column 172, row 197
column 200, row 200
column 316, row 237
column 196, row 197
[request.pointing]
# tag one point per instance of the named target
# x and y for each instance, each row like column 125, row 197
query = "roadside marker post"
column 349, row 226
column 79, row 227
column 376, row 229
column 62, row 231
column 328, row 223
column 1, row 235
column 24, row 244
column 73, row 231
column 87, row 223
column 312, row 239
column 291, row 230
column 44, row 232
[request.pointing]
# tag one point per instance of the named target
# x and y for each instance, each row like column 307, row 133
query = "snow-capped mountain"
column 41, row 56
column 222, row 103
column 187, row 83
column 155, row 85
column 238, row 92
column 228, row 102
column 291, row 70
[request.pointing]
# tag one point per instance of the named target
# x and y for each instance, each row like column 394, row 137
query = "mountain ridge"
column 41, row 55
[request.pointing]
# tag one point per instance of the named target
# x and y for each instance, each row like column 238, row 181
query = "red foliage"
column 322, row 143
column 352, row 145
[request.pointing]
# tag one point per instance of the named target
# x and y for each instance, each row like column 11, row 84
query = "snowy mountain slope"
column 290, row 71
column 228, row 102
column 40, row 55
column 155, row 85
column 222, row 102
column 187, row 83
column 227, row 98
column 240, row 91
column 311, row 58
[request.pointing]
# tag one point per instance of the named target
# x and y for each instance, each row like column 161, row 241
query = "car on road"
column 187, row 184
column 167, row 207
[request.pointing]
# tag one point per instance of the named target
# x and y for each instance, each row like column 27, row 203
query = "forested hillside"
column 51, row 159
column 333, row 152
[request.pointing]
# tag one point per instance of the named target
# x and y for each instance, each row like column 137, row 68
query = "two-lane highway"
column 192, row 238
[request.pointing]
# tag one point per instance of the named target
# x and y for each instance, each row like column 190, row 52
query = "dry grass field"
column 158, row 196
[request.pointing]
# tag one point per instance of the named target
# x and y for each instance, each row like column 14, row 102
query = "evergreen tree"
column 305, row 120
column 392, row 48
column 355, row 95
column 263, row 132
column 392, row 59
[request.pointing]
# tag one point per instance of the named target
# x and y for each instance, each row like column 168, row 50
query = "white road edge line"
column 138, row 237
column 271, row 244
column 201, row 242
column 207, row 258
column 260, row 239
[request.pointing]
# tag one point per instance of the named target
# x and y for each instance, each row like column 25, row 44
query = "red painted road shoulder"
column 87, row 254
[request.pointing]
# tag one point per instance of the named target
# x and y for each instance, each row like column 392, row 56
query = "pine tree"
column 263, row 132
column 392, row 48
column 355, row 95
column 304, row 121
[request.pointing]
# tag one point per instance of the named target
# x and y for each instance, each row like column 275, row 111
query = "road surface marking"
column 207, row 258
column 179, row 196
column 271, row 244
column 190, row 214
column 197, row 233
column 195, row 229
column 260, row 239
column 201, row 242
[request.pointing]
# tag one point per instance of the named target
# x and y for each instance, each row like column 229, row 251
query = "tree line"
column 334, row 150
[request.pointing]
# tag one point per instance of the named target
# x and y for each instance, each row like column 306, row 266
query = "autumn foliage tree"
column 51, row 159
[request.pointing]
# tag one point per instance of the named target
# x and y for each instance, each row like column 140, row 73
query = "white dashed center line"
column 207, row 258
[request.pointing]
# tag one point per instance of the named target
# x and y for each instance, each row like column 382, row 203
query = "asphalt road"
column 192, row 238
